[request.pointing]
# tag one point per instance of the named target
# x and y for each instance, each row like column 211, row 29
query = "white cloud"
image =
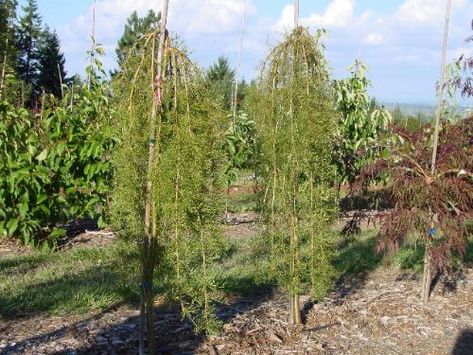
column 189, row 18
column 425, row 11
column 373, row 39
column 339, row 13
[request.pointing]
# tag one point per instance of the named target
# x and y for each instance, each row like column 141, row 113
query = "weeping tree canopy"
column 294, row 108
column 185, row 174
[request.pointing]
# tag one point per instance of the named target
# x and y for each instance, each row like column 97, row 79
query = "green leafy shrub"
column 55, row 166
column 360, row 127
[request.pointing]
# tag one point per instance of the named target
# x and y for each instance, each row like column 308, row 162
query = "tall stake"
column 92, row 34
column 441, row 84
column 427, row 278
column 149, row 244
column 237, row 74
column 4, row 67
column 296, row 13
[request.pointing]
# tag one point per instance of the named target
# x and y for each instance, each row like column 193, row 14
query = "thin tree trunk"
column 60, row 80
column 295, row 309
column 4, row 68
column 427, row 276
column 149, row 262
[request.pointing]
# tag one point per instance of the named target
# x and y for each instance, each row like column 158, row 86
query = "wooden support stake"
column 296, row 13
column 147, row 316
column 441, row 84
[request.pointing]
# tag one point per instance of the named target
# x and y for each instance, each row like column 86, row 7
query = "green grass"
column 358, row 255
column 77, row 281
column 246, row 271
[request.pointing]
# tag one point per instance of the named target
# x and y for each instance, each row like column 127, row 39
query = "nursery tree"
column 360, row 126
column 240, row 149
column 167, row 189
column 55, row 167
column 430, row 209
column 295, row 113
column 222, row 77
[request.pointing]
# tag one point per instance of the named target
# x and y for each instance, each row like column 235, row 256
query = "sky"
column 399, row 40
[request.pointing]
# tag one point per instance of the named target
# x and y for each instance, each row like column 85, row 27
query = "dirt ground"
column 379, row 314
column 375, row 313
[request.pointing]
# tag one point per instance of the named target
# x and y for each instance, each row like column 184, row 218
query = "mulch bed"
column 376, row 314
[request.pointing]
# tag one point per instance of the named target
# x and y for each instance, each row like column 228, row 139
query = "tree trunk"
column 427, row 276
column 4, row 68
column 149, row 244
column 295, row 310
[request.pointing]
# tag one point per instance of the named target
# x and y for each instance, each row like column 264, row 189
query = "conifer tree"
column 296, row 119
column 8, row 39
column 222, row 77
column 51, row 64
column 186, row 133
column 29, row 33
column 135, row 28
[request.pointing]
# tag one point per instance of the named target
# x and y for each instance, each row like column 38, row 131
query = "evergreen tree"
column 222, row 77
column 29, row 32
column 51, row 63
column 7, row 45
column 135, row 28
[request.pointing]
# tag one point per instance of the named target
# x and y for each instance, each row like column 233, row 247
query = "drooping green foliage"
column 295, row 113
column 186, row 195
column 55, row 166
column 360, row 126
column 51, row 64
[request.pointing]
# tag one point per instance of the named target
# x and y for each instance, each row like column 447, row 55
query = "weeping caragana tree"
column 176, row 183
column 296, row 119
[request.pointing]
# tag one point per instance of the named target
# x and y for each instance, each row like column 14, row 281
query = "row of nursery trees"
column 155, row 149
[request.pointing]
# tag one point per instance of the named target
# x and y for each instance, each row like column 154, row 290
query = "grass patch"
column 76, row 281
column 246, row 271
column 358, row 255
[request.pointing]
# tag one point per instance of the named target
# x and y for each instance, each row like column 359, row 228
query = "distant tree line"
column 31, row 59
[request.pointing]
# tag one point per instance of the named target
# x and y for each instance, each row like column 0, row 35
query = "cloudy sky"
column 399, row 39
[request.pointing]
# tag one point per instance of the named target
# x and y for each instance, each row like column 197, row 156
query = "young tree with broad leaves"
column 360, row 126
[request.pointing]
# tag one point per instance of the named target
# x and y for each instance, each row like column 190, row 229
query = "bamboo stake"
column 296, row 13
column 237, row 74
column 147, row 287
column 5, row 56
column 89, row 79
column 442, row 84
column 60, row 80
column 427, row 277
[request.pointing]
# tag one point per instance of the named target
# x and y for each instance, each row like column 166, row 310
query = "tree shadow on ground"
column 464, row 343
column 174, row 335
column 356, row 259
column 92, row 288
